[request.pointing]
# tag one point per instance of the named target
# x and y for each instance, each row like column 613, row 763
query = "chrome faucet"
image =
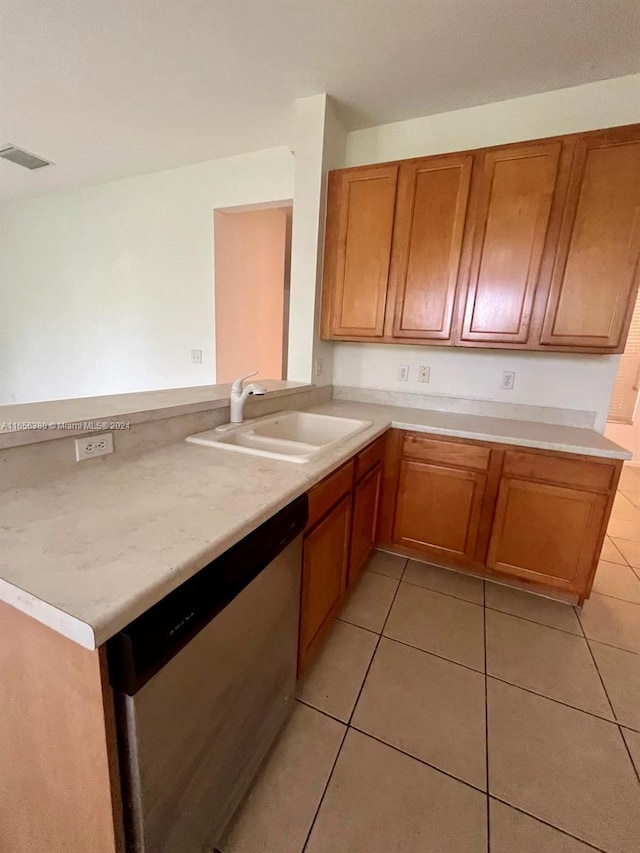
column 239, row 395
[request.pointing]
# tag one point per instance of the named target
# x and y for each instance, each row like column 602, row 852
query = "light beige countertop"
column 88, row 551
column 27, row 423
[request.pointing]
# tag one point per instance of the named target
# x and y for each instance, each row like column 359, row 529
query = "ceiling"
column 109, row 88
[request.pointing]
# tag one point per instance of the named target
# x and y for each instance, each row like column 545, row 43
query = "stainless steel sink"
column 294, row 436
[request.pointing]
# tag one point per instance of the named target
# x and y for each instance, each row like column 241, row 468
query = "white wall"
column 575, row 382
column 108, row 289
column 580, row 382
column 604, row 104
column 319, row 141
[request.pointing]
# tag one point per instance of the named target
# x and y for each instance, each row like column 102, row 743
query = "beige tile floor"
column 449, row 715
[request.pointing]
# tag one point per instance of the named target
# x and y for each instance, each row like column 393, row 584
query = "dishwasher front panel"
column 193, row 737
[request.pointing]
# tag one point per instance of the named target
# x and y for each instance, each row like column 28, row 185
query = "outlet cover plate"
column 90, row 446
column 508, row 380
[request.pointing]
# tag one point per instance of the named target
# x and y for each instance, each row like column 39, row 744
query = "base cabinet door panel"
column 430, row 220
column 596, row 270
column 365, row 517
column 438, row 509
column 546, row 533
column 324, row 576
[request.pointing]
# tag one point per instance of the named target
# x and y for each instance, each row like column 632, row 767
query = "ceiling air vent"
column 22, row 158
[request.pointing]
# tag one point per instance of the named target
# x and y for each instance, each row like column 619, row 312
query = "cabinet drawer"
column 367, row 458
column 594, row 476
column 323, row 496
column 452, row 453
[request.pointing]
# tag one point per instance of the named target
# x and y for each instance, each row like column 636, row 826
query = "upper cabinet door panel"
column 596, row 272
column 512, row 210
column 360, row 206
column 430, row 219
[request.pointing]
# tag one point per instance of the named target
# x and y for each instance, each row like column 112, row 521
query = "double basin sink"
column 293, row 436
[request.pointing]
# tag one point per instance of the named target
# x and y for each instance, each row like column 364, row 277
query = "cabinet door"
column 511, row 214
column 596, row 272
column 430, row 217
column 365, row 517
column 360, row 211
column 324, row 577
column 438, row 509
column 546, row 533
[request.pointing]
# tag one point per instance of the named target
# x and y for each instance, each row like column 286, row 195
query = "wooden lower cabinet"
column 546, row 533
column 365, row 513
column 538, row 517
column 340, row 536
column 438, row 509
column 325, row 563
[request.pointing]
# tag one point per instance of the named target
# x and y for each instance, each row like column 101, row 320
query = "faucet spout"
column 239, row 396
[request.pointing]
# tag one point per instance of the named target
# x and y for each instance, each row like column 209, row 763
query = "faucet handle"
column 236, row 387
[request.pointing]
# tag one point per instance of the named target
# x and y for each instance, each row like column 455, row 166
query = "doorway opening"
column 252, row 263
column 623, row 421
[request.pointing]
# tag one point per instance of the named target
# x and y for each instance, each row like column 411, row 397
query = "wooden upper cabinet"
column 531, row 246
column 511, row 210
column 360, row 214
column 596, row 272
column 430, row 218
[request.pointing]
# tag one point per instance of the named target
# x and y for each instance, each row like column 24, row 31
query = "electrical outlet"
column 403, row 373
column 93, row 445
column 196, row 356
column 508, row 380
column 424, row 373
column 319, row 367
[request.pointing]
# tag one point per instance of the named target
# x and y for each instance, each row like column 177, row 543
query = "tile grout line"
column 384, row 624
column 308, row 704
column 474, row 787
column 497, row 677
column 441, row 592
column 508, row 612
column 615, row 716
column 546, row 823
column 348, row 725
column 595, row 663
column 419, row 760
column 491, row 677
column 626, row 562
column 486, row 713
column 324, row 790
column 617, row 597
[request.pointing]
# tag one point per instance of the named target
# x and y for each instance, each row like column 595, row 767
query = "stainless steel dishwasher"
column 203, row 683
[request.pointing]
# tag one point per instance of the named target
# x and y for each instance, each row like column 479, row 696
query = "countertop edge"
column 558, row 447
column 63, row 623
